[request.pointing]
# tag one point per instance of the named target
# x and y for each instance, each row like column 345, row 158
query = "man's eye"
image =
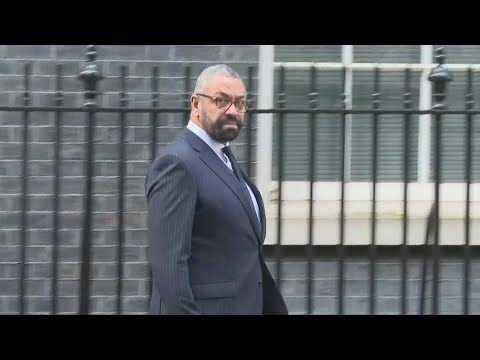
column 222, row 102
column 241, row 104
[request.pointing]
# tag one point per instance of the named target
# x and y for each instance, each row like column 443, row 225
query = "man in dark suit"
column 206, row 219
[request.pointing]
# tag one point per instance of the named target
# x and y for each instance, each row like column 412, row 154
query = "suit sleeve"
column 171, row 196
column 273, row 302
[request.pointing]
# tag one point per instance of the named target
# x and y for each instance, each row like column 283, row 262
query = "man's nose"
column 232, row 109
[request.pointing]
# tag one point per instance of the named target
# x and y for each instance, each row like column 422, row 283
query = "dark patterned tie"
column 236, row 171
column 230, row 156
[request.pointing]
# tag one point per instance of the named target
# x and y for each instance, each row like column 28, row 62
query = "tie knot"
column 227, row 151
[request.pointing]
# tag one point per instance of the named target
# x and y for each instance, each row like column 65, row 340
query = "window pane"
column 297, row 127
column 390, row 127
column 308, row 53
column 454, row 134
column 386, row 53
column 459, row 54
column 475, row 149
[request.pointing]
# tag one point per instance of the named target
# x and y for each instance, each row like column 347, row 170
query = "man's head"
column 219, row 103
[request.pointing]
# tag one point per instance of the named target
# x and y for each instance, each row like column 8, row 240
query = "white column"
column 424, row 124
column 347, row 60
column 265, row 121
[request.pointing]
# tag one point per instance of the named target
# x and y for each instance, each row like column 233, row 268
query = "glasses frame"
column 235, row 102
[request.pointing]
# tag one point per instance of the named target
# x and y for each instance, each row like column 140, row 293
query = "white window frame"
column 389, row 215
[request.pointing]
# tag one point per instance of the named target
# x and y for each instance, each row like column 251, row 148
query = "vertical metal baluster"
column 281, row 105
column 56, row 160
column 469, row 102
column 407, row 105
column 121, row 175
column 90, row 75
column 439, row 77
column 313, row 105
column 373, row 247
column 24, row 206
column 341, row 246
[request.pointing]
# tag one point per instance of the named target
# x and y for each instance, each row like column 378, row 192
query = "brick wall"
column 139, row 62
column 388, row 284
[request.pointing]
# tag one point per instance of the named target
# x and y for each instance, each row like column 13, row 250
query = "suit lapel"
column 261, row 206
column 208, row 156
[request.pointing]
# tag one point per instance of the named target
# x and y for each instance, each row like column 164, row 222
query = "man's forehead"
column 227, row 85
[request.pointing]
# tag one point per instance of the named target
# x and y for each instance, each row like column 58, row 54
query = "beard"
column 218, row 131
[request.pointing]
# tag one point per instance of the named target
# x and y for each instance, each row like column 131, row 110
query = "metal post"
column 282, row 99
column 469, row 103
column 56, row 161
column 407, row 105
column 439, row 78
column 373, row 223
column 341, row 245
column 24, row 199
column 121, row 187
column 310, row 270
column 90, row 77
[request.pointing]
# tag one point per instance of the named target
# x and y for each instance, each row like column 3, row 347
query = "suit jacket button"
column 260, row 283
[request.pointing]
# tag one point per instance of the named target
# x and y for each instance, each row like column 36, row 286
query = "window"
column 360, row 62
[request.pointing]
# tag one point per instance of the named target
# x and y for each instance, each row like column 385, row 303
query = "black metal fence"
column 91, row 76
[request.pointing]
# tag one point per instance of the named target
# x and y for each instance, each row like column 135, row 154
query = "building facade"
column 341, row 70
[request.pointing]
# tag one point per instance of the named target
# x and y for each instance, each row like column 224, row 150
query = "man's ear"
column 194, row 105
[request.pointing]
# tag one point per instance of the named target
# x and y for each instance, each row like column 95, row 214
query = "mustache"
column 229, row 119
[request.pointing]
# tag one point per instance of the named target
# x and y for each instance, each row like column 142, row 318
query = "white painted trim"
column 357, row 213
column 370, row 66
column 265, row 121
column 347, row 59
column 386, row 191
column 424, row 125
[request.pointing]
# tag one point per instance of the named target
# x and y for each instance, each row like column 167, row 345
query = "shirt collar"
column 202, row 134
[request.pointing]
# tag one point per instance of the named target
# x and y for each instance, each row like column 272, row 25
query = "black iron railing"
column 91, row 76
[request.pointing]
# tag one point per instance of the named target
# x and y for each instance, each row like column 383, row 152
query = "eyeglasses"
column 225, row 103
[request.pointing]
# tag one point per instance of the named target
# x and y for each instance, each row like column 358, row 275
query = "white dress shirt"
column 217, row 148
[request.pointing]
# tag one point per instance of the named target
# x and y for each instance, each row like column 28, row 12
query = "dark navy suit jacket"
column 205, row 242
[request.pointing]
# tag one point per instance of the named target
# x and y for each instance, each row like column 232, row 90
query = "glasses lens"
column 223, row 103
column 241, row 105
